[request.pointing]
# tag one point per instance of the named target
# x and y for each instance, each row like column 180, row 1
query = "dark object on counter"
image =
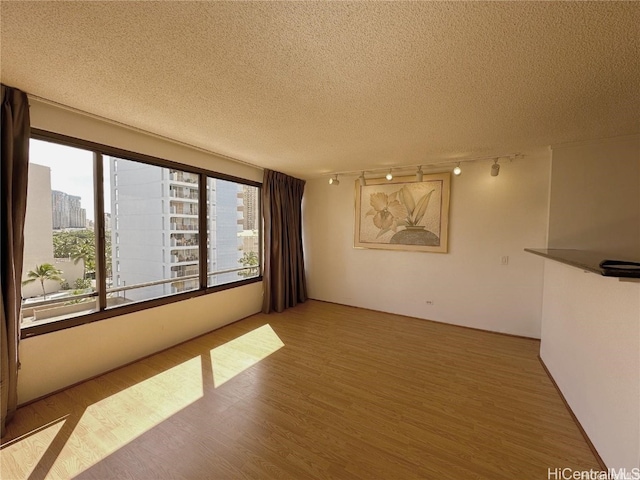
column 620, row 268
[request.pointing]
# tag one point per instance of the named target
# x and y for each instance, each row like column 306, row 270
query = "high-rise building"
column 250, row 204
column 154, row 228
column 67, row 211
column 224, row 226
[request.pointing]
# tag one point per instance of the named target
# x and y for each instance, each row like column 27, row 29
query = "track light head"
column 457, row 170
column 495, row 168
column 419, row 174
column 389, row 176
column 334, row 181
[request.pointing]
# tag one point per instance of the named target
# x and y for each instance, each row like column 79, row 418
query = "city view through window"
column 152, row 234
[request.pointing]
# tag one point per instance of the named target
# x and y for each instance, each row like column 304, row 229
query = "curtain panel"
column 14, row 156
column 283, row 279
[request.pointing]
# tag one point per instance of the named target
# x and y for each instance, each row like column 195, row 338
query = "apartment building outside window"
column 147, row 218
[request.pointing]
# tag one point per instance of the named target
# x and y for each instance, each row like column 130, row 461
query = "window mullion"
column 202, row 229
column 260, row 226
column 101, row 268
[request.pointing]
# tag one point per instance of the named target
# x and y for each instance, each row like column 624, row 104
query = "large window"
column 110, row 232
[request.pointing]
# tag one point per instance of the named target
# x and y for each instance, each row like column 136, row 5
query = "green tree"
column 81, row 284
column 80, row 245
column 249, row 259
column 43, row 272
column 66, row 243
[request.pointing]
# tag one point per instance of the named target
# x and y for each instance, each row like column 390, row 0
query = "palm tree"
column 86, row 252
column 43, row 272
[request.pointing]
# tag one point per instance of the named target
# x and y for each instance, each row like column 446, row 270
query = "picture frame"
column 403, row 214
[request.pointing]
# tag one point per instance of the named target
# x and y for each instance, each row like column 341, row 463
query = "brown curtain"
column 284, row 282
column 15, row 131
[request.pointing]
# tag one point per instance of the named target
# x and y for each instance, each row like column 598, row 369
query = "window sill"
column 53, row 325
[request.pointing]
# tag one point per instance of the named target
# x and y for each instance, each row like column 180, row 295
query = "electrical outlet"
column 504, row 260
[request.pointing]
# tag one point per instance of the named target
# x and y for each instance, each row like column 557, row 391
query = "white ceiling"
column 308, row 88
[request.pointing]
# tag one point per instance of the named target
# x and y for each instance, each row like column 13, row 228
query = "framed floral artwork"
column 403, row 214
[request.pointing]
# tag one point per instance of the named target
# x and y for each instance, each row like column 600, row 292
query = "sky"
column 71, row 171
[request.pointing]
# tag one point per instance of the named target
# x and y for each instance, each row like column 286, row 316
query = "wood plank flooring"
column 319, row 391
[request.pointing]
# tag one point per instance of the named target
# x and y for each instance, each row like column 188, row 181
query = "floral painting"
column 403, row 214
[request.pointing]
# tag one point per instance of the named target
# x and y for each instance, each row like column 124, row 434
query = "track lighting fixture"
column 363, row 181
column 495, row 168
column 404, row 172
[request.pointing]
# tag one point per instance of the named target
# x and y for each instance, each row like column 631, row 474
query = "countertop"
column 586, row 260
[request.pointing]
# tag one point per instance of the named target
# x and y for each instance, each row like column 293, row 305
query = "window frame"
column 100, row 150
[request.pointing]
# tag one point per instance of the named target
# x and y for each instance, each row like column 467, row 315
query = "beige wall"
column 591, row 344
column 59, row 120
column 595, row 197
column 491, row 217
column 591, row 324
column 53, row 361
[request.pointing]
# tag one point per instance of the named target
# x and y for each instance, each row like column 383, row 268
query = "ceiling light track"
column 454, row 165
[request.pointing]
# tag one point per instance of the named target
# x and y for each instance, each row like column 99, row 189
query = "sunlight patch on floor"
column 239, row 354
column 72, row 445
column 117, row 420
column 20, row 457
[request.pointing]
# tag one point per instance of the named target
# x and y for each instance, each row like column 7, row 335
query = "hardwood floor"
column 320, row 391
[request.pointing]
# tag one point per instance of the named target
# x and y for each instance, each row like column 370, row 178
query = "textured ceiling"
column 308, row 88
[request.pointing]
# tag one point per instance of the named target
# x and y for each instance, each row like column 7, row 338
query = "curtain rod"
column 139, row 130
